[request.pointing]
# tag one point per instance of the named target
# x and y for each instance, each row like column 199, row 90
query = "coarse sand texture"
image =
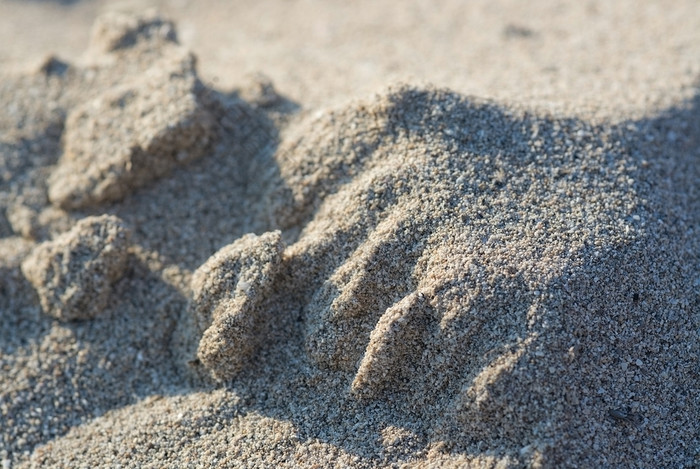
column 193, row 277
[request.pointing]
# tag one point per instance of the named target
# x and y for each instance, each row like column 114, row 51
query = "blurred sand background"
column 624, row 56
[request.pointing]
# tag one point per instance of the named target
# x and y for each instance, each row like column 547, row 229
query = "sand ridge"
column 435, row 279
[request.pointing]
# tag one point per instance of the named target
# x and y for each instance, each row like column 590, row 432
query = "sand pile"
column 418, row 278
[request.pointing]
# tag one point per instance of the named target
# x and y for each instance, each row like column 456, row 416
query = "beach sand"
column 362, row 234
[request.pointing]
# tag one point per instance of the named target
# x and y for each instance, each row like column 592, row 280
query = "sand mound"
column 463, row 253
column 453, row 255
column 436, row 279
column 429, row 204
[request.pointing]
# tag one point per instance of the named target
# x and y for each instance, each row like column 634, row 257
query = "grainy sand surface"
column 349, row 234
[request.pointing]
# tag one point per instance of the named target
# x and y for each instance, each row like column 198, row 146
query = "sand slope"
column 434, row 279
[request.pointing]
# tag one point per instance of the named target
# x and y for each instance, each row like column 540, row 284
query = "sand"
column 305, row 234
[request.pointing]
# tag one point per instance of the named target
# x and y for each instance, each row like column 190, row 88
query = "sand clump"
column 115, row 31
column 413, row 279
column 74, row 273
column 130, row 135
column 227, row 292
